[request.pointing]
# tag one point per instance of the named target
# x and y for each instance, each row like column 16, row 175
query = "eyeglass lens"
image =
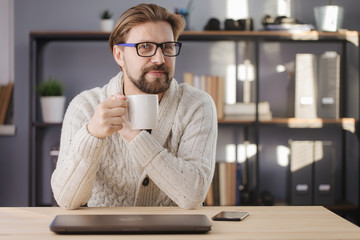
column 149, row 49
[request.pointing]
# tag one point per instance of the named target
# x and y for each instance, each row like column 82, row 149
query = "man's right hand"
column 108, row 117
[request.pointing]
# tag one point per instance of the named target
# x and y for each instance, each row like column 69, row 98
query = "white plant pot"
column 329, row 18
column 52, row 108
column 107, row 25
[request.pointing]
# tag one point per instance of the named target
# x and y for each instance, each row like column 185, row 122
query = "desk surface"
column 279, row 222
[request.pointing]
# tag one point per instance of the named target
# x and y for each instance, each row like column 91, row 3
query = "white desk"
column 279, row 222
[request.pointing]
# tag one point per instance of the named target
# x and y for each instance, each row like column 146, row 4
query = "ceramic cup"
column 143, row 111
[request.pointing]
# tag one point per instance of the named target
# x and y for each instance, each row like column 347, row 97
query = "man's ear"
column 118, row 55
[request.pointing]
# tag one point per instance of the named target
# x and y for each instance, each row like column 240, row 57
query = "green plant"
column 50, row 87
column 106, row 14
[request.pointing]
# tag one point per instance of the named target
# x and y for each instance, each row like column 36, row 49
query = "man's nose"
column 158, row 58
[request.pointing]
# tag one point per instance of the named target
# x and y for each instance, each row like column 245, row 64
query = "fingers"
column 115, row 101
column 116, row 121
column 114, row 106
column 109, row 116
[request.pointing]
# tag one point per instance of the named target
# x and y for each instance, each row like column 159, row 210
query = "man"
column 102, row 162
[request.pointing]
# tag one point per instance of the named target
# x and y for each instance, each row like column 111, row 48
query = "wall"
column 43, row 15
column 6, row 42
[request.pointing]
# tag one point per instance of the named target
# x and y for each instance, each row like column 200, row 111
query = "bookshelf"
column 39, row 39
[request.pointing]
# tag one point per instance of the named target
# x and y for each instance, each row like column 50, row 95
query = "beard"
column 159, row 85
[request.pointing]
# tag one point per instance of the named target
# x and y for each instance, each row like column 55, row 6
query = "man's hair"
column 141, row 14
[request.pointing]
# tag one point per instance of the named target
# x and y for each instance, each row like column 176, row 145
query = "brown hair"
column 144, row 13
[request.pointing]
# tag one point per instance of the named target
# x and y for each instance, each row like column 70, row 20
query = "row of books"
column 6, row 108
column 225, row 187
column 215, row 87
column 247, row 111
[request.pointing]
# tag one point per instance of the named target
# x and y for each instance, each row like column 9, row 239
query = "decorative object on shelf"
column 239, row 25
column 107, row 22
column 52, row 100
column 328, row 18
column 283, row 23
column 212, row 25
column 185, row 13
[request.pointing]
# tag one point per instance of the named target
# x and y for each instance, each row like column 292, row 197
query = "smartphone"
column 230, row 216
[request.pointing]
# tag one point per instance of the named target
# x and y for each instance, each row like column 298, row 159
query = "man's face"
column 150, row 75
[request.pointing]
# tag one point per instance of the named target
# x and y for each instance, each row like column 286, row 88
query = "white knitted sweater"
column 178, row 157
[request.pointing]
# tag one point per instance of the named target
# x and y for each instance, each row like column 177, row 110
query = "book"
column 5, row 99
column 290, row 27
column 212, row 197
column 216, row 192
column 188, row 78
column 246, row 108
column 227, row 183
column 231, row 172
column 248, row 117
column 2, row 95
column 209, row 200
column 220, row 97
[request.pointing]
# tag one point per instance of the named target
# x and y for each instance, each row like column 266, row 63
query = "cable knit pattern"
column 178, row 157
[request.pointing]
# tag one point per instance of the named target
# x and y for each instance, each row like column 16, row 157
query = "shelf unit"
column 38, row 41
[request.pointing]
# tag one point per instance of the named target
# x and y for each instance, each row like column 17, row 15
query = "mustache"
column 161, row 67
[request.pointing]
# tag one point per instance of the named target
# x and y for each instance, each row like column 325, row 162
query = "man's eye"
column 168, row 46
column 145, row 46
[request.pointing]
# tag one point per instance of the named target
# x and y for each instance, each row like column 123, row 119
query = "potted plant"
column 107, row 21
column 52, row 100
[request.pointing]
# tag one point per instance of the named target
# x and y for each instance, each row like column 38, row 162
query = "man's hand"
column 109, row 116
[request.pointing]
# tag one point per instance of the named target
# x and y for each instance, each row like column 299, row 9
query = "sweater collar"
column 115, row 85
column 167, row 107
column 167, row 112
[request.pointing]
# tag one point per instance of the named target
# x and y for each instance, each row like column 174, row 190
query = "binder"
column 305, row 85
column 324, row 184
column 301, row 172
column 329, row 85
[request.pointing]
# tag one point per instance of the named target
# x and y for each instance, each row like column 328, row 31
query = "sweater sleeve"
column 184, row 175
column 73, row 179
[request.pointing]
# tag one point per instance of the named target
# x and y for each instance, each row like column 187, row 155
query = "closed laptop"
column 130, row 223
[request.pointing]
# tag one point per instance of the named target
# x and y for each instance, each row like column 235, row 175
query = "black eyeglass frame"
column 161, row 45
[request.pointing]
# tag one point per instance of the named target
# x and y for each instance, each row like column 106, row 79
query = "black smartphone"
column 230, row 216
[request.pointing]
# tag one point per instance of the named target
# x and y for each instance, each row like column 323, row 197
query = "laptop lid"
column 130, row 223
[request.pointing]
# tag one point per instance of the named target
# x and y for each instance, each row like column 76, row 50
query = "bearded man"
column 103, row 162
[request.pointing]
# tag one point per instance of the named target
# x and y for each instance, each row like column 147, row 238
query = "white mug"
column 142, row 111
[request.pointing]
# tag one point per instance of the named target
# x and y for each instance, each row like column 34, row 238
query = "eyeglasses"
column 148, row 49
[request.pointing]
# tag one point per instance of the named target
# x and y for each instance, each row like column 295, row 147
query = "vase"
column 328, row 18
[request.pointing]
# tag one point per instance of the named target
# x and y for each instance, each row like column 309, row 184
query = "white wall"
column 6, row 41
